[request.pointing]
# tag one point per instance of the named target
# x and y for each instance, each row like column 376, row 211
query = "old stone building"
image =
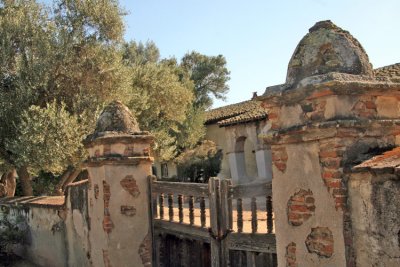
column 235, row 129
column 334, row 205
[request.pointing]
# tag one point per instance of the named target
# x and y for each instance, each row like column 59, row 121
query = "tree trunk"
column 8, row 183
column 25, row 179
column 67, row 177
column 59, row 187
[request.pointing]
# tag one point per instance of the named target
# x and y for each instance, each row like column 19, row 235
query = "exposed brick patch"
column 129, row 150
column 96, row 191
column 315, row 110
column 273, row 115
column 107, row 222
column 128, row 210
column 145, row 251
column 146, row 152
column 365, row 107
column 279, row 157
column 291, row 255
column 320, row 241
column 331, row 156
column 106, row 149
column 106, row 259
column 97, row 153
column 300, row 207
column 130, row 185
column 320, row 93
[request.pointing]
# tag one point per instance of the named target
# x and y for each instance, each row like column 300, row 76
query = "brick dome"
column 327, row 48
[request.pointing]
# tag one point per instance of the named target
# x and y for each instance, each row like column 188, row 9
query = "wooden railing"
column 205, row 212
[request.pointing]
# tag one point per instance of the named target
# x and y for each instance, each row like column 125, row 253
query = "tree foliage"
column 60, row 64
column 210, row 76
column 200, row 163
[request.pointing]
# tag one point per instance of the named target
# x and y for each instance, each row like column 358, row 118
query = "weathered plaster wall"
column 217, row 135
column 77, row 224
column 127, row 231
column 45, row 239
column 303, row 171
column 253, row 160
column 172, row 168
column 374, row 202
column 119, row 212
column 57, row 234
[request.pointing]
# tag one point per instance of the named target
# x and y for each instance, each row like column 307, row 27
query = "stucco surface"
column 376, row 218
column 303, row 172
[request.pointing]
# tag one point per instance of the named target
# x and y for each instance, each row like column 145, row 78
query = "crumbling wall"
column 44, row 240
column 374, row 202
column 77, row 221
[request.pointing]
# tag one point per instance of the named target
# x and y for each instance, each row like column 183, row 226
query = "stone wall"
column 374, row 198
column 56, row 227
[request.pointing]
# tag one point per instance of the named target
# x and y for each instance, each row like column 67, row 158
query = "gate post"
column 226, row 220
column 220, row 221
column 119, row 165
column 213, row 187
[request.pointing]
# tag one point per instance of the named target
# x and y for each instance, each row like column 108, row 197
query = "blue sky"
column 258, row 37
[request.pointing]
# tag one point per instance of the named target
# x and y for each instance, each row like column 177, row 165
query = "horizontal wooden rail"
column 251, row 190
column 186, row 189
column 182, row 230
column 252, row 242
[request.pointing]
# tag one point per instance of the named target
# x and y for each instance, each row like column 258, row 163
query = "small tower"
column 119, row 165
column 330, row 115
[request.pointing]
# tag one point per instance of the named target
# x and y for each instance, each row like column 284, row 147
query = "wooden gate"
column 213, row 225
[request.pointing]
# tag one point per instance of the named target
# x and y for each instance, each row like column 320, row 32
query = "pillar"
column 119, row 165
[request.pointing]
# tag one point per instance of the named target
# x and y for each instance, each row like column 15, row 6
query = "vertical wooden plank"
column 191, row 210
column 203, row 212
column 250, row 259
column 161, row 206
column 171, row 207
column 239, row 209
column 225, row 220
column 269, row 215
column 254, row 215
column 214, row 224
column 180, row 208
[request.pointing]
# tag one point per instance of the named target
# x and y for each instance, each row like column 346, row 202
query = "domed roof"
column 327, row 48
column 116, row 117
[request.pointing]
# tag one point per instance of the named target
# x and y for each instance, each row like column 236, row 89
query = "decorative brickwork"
column 331, row 155
column 320, row 241
column 107, row 222
column 279, row 157
column 291, row 255
column 128, row 210
column 145, row 251
column 106, row 259
column 129, row 184
column 300, row 207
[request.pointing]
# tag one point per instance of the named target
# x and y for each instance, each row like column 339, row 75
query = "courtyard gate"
column 212, row 225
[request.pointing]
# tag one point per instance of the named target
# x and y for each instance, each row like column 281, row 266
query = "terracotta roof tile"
column 391, row 72
column 246, row 111
column 389, row 160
